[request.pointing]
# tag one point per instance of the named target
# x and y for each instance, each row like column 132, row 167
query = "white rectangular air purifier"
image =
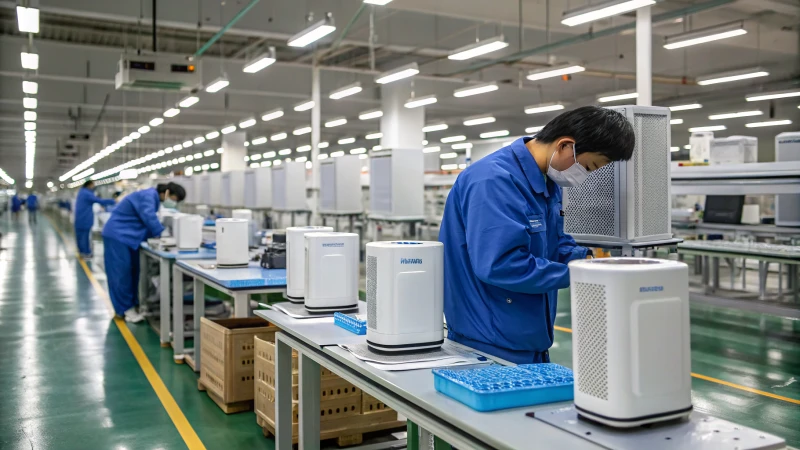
column 630, row 340
column 787, row 206
column 246, row 214
column 233, row 189
column 232, row 250
column 700, row 146
column 188, row 229
column 289, row 187
column 202, row 211
column 296, row 261
column 734, row 150
column 215, row 189
column 396, row 184
column 340, row 185
column 405, row 289
column 203, row 186
column 258, row 188
column 627, row 201
column 332, row 270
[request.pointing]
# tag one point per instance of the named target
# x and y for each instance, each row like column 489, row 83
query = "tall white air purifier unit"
column 232, row 250
column 233, row 189
column 246, row 214
column 289, row 187
column 627, row 201
column 331, row 275
column 296, row 261
column 787, row 206
column 188, row 229
column 340, row 185
column 258, row 188
column 405, row 289
column 215, row 189
column 396, row 184
column 630, row 340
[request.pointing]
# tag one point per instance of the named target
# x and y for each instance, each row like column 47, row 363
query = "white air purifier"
column 215, row 189
column 405, row 290
column 787, row 206
column 289, row 187
column 296, row 261
column 340, row 185
column 627, row 201
column 331, row 275
column 630, row 340
column 396, row 184
column 246, row 214
column 232, row 250
column 700, row 146
column 232, row 195
column 188, row 230
column 202, row 211
column 733, row 150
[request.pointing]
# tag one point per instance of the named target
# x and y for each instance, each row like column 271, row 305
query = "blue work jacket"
column 32, row 202
column 84, row 216
column 134, row 220
column 505, row 256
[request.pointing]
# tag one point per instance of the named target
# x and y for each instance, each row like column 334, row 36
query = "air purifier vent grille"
column 651, row 175
column 372, row 292
column 590, row 324
column 590, row 208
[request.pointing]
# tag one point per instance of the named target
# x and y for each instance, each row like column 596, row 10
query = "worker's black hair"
column 173, row 188
column 595, row 129
column 88, row 183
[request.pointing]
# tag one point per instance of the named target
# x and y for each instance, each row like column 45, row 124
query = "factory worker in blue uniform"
column 16, row 206
column 505, row 250
column 32, row 203
column 84, row 217
column 133, row 221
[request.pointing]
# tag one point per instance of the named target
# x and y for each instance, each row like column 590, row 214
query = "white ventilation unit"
column 233, row 189
column 215, row 189
column 733, row 150
column 627, row 201
column 340, row 185
column 405, row 291
column 700, row 146
column 232, row 251
column 157, row 72
column 331, row 272
column 289, row 187
column 296, row 261
column 396, row 184
column 188, row 229
column 258, row 188
column 787, row 206
column 246, row 214
column 630, row 342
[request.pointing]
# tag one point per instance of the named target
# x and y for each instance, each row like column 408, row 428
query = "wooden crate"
column 266, row 350
column 228, row 356
column 371, row 405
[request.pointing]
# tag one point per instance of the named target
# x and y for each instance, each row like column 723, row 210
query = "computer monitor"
column 723, row 209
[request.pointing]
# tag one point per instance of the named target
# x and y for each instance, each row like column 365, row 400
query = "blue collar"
column 529, row 166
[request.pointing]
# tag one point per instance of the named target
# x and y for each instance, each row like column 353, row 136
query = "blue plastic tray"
column 350, row 323
column 501, row 387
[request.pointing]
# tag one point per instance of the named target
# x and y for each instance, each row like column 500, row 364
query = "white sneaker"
column 132, row 316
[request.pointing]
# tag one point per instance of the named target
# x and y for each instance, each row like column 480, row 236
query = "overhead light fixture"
column 551, row 72
column 156, row 122
column 708, row 128
column 260, row 62
column 675, row 121
column 434, row 127
column 377, row 2
column 83, row 174
column 771, row 123
column 172, row 112
column 29, row 103
column 29, row 115
column 218, row 85
column 616, row 96
column 372, row 114
column 703, row 35
column 30, row 87
column 30, row 134
column 278, row 137
column 544, row 107
column 531, row 130
column 735, row 115
column 449, row 166
column 478, row 48
column 358, row 151
column 30, row 126
column 247, row 123
column 335, row 122
column 303, row 149
column 451, row 155
column 187, row 144
column 494, row 134
column 478, row 120
column 374, row 136
column 449, row 139
column 274, row 114
column 674, row 149
column 228, row 129
column 128, row 174
column 345, row 141
column 350, row 89
column 259, row 140
column 337, row 153
column 476, row 89
column 685, row 107
column 313, row 33
column 301, row 131
column 212, row 135
column 304, row 106
column 28, row 19
column 144, row 129
column 199, row 140
column 772, row 95
column 601, row 10
column 726, row 77
column 461, row 146
column 189, row 101
column 324, row 144
column 29, row 60
column 127, row 140
column 433, row 149
column 408, row 70
column 420, row 101
column 269, row 154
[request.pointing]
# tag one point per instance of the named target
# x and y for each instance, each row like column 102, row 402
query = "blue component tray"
column 350, row 323
column 500, row 387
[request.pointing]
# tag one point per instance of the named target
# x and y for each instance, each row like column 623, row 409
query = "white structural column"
column 233, row 152
column 644, row 56
column 315, row 134
column 401, row 126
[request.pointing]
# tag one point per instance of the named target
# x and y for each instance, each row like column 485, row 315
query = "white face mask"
column 572, row 176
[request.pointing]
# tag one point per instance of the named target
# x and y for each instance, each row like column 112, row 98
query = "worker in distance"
column 505, row 250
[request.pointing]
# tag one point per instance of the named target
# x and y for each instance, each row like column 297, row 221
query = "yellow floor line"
column 178, row 418
column 724, row 383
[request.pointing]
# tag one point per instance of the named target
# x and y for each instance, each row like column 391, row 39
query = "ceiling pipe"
column 221, row 31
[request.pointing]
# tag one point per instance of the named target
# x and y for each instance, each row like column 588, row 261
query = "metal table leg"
column 142, row 276
column 177, row 315
column 309, row 428
column 715, row 273
column 283, row 394
column 732, row 264
column 165, row 284
column 780, row 280
column 704, row 271
column 241, row 304
column 744, row 273
column 199, row 311
column 698, row 264
column 763, row 271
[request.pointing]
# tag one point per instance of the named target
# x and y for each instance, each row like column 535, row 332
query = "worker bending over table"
column 505, row 250
column 133, row 221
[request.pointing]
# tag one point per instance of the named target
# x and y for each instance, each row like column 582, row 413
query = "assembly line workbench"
column 239, row 283
column 165, row 258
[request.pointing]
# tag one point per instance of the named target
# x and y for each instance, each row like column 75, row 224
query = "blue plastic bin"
column 350, row 323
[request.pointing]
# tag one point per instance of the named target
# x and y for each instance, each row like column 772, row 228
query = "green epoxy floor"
column 70, row 381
